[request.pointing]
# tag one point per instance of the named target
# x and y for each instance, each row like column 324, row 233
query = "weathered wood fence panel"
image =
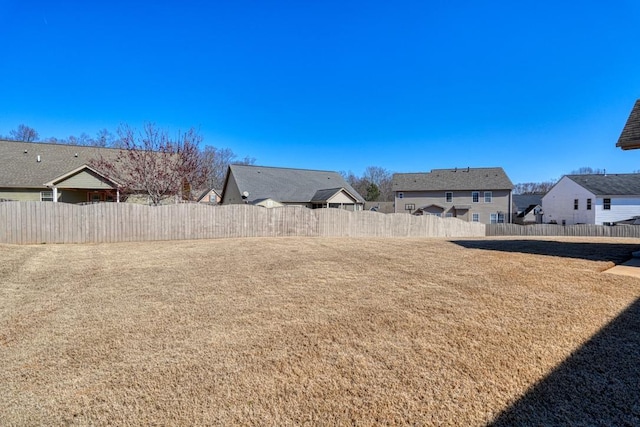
column 46, row 222
column 586, row 230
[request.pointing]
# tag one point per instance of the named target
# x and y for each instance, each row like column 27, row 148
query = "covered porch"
column 84, row 185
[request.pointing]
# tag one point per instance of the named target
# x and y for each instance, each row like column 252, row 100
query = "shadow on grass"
column 598, row 385
column 593, row 251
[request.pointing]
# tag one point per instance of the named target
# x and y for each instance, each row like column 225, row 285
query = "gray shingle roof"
column 610, row 185
column 524, row 201
column 630, row 136
column 453, row 179
column 288, row 185
column 326, row 194
column 19, row 166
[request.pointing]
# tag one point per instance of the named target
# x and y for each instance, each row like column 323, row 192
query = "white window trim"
column 46, row 196
column 490, row 194
column 448, row 199
column 475, row 217
column 476, row 193
column 401, row 195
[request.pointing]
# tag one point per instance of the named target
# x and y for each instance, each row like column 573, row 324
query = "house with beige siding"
column 273, row 187
column 31, row 171
column 471, row 194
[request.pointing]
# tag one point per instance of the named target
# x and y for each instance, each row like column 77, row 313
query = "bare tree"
column 104, row 138
column 153, row 163
column 533, row 187
column 381, row 177
column 217, row 161
column 362, row 185
column 374, row 185
column 586, row 170
column 23, row 133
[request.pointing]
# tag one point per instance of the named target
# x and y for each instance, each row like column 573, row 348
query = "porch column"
column 55, row 194
column 117, row 194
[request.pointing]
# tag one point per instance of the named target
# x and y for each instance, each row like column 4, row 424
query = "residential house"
column 593, row 199
column 31, row 171
column 630, row 136
column 470, row 194
column 527, row 209
column 273, row 186
column 210, row 196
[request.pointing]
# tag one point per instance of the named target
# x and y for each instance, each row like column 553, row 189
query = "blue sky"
column 540, row 88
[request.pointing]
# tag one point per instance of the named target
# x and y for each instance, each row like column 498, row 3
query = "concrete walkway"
column 629, row 268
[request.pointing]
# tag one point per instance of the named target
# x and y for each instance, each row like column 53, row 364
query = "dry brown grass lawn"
column 296, row 331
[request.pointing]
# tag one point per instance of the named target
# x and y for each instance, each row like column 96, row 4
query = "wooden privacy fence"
column 587, row 230
column 47, row 222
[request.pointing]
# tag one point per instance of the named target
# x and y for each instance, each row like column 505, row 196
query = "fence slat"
column 584, row 230
column 47, row 222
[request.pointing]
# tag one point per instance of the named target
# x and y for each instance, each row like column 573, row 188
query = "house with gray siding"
column 272, row 187
column 470, row 194
column 593, row 199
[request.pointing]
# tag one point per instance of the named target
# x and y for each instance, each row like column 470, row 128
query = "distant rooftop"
column 453, row 179
column 288, row 184
column 609, row 185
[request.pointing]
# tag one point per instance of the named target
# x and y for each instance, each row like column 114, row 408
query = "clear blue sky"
column 539, row 88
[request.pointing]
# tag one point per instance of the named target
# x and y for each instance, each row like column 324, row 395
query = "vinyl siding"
column 557, row 204
column 621, row 208
column 232, row 193
column 500, row 203
column 21, row 194
column 84, row 180
column 341, row 198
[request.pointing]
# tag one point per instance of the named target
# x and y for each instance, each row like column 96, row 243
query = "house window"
column 449, row 215
column 488, row 196
column 606, row 204
column 475, row 217
column 475, row 196
column 46, row 196
column 588, row 204
column 409, row 206
column 94, row 197
column 448, row 197
column 497, row 218
column 400, row 195
column 575, row 204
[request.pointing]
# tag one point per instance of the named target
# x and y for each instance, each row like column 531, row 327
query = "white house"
column 592, row 199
